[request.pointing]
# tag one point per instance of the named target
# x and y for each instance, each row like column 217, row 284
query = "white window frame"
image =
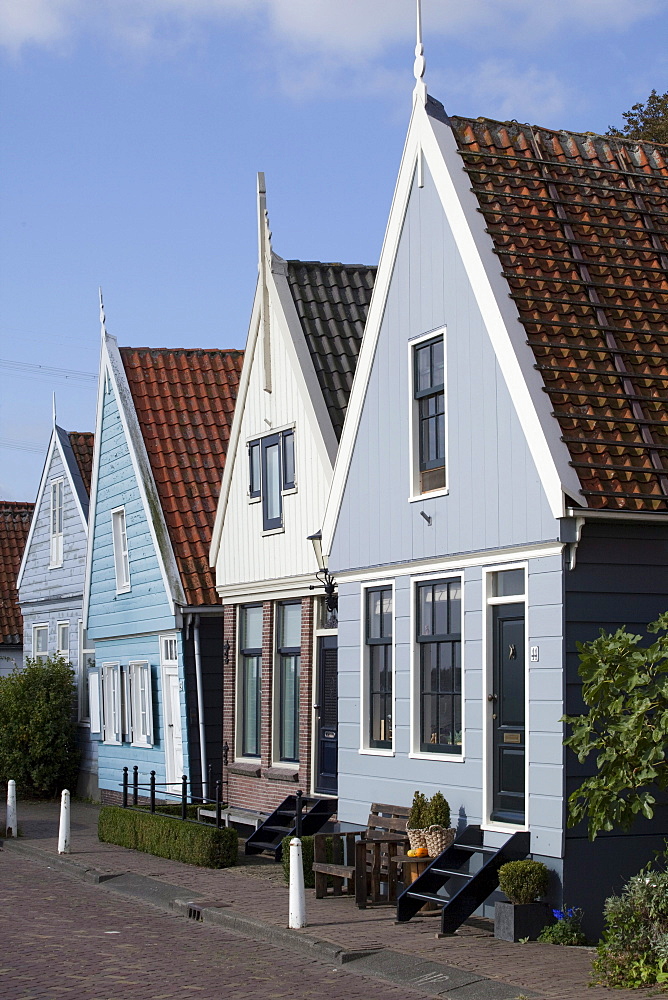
column 141, row 703
column 60, row 648
column 37, row 655
column 364, row 747
column 276, row 717
column 414, row 491
column 112, row 703
column 489, row 601
column 239, row 689
column 119, row 536
column 94, row 680
column 415, row 752
column 84, row 655
column 56, row 524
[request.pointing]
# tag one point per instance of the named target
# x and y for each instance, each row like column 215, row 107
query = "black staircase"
column 283, row 823
column 467, row 871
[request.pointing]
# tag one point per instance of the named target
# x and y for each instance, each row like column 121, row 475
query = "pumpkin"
column 421, row 852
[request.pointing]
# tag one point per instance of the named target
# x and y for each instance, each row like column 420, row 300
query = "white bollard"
column 64, row 831
column 10, row 826
column 297, row 897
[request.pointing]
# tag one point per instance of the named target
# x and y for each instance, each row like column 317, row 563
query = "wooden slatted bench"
column 361, row 858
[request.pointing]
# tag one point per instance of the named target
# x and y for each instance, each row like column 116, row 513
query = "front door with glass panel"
column 508, row 717
column 327, row 717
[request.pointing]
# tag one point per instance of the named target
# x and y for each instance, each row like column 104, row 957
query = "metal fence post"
column 298, row 814
column 217, row 805
column 125, row 787
column 184, row 796
column 152, row 793
column 135, row 785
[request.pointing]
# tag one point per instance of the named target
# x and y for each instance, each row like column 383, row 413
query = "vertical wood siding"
column 245, row 555
column 496, row 498
column 146, row 605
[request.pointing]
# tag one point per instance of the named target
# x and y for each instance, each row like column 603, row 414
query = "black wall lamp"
column 326, row 579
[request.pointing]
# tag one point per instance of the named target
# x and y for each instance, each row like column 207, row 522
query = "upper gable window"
column 121, row 558
column 271, row 466
column 56, row 534
column 429, row 403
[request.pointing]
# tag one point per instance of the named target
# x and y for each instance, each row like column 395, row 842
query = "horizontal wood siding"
column 145, row 607
column 112, row 758
column 495, row 496
column 246, row 555
column 39, row 582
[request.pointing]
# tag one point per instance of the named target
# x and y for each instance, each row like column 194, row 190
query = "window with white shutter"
column 121, row 557
column 56, row 546
column 141, row 701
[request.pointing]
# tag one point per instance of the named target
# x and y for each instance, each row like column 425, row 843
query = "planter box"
column 514, row 921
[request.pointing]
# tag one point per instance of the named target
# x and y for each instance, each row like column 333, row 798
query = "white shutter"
column 126, row 714
column 112, row 702
column 95, row 702
column 142, row 703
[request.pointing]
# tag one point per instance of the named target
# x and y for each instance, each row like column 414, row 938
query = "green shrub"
column 418, row 813
column 634, row 948
column 307, row 859
column 37, row 728
column 524, row 881
column 438, row 811
column 566, row 930
column 165, row 837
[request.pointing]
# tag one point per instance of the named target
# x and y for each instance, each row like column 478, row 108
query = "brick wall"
column 262, row 787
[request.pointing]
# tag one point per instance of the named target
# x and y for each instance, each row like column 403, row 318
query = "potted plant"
column 440, row 834
column 416, row 824
column 523, row 917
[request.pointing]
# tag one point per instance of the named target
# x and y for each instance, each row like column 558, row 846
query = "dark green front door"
column 508, row 719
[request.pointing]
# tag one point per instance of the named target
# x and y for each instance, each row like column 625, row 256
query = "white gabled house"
column 280, row 669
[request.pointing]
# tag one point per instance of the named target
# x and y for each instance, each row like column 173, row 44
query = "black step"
column 269, row 835
column 429, row 897
column 451, row 873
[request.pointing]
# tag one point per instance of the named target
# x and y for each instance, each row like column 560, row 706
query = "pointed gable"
column 332, row 302
column 15, row 518
column 579, row 223
column 184, row 401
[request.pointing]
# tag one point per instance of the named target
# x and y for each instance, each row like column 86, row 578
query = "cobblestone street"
column 62, row 938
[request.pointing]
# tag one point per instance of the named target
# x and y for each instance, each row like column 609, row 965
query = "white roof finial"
column 420, row 91
column 53, row 409
column 103, row 319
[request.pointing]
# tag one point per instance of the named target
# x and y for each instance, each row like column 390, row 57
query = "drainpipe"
column 200, row 708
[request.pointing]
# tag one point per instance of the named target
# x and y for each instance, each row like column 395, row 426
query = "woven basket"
column 438, row 839
column 417, row 838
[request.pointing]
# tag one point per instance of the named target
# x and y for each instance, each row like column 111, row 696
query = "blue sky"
column 133, row 131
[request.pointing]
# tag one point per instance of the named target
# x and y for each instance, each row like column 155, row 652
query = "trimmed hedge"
column 164, row 837
column 307, row 859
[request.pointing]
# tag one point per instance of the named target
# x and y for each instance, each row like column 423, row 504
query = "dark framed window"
column 271, row 471
column 439, row 637
column 250, row 668
column 289, row 642
column 379, row 653
column 254, row 474
column 429, row 394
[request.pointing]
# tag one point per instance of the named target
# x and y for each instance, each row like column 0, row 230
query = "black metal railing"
column 187, row 798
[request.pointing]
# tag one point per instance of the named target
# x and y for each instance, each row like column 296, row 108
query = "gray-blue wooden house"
column 501, row 487
column 51, row 576
column 151, row 608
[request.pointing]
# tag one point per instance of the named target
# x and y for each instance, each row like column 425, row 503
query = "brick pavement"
column 552, row 972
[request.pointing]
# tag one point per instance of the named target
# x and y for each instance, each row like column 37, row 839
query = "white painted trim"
column 60, row 624
column 38, row 501
column 456, row 561
column 121, row 551
column 102, row 383
column 269, row 590
column 414, row 492
column 364, row 736
column 70, row 476
column 37, row 626
column 488, row 602
column 56, row 538
column 414, row 667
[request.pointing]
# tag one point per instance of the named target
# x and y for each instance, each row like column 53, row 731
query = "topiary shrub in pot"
column 417, row 821
column 523, row 917
column 439, row 835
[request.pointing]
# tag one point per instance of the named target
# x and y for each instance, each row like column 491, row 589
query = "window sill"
column 454, row 758
column 504, row 827
column 376, row 752
column 253, row 499
column 247, row 770
column 273, row 531
column 289, row 491
column 428, row 496
column 56, row 565
column 142, row 746
column 123, row 590
column 279, row 772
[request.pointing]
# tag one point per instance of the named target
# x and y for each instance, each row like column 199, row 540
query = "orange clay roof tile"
column 15, row 520
column 580, row 227
column 173, row 391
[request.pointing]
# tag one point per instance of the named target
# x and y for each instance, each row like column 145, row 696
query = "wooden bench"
column 361, row 858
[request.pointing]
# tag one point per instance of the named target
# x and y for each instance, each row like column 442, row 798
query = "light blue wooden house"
column 501, row 486
column 51, row 577
column 163, row 420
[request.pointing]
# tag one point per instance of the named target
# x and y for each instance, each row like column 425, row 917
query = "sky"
column 133, row 131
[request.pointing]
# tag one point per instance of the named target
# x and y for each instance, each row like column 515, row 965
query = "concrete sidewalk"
column 253, row 900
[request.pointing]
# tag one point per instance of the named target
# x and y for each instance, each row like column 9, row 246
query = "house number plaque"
column 512, row 738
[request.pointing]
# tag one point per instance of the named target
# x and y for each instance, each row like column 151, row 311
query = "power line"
column 42, row 371
column 35, row 449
